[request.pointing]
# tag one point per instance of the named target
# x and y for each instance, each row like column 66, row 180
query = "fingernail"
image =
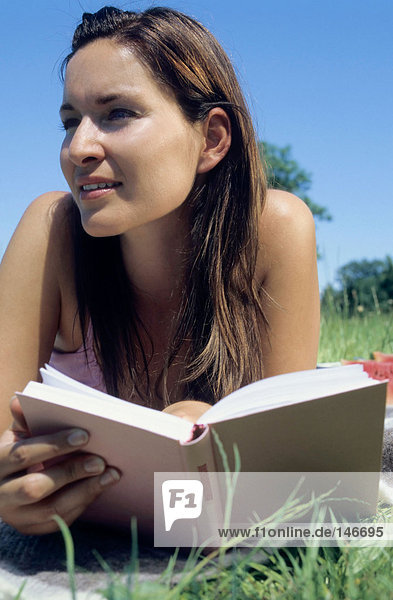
column 78, row 437
column 110, row 476
column 94, row 464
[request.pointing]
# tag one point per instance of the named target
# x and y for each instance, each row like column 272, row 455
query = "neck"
column 155, row 258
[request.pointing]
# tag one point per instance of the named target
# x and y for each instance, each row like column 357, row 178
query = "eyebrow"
column 100, row 101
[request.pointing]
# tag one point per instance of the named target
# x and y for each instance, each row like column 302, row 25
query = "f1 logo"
column 182, row 499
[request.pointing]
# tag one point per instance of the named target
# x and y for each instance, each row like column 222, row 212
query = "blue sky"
column 317, row 76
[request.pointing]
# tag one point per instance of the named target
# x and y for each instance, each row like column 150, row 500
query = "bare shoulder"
column 286, row 232
column 43, row 234
column 284, row 213
column 53, row 211
column 50, row 209
column 288, row 277
column 42, row 228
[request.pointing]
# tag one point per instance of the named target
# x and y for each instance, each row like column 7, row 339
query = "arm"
column 29, row 301
column 191, row 410
column 32, row 278
column 287, row 271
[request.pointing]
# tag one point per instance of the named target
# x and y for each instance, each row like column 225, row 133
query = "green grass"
column 345, row 336
column 291, row 574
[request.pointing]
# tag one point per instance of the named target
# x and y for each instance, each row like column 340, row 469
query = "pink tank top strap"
column 80, row 365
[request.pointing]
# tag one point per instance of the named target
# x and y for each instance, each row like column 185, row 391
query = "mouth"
column 99, row 186
column 97, row 190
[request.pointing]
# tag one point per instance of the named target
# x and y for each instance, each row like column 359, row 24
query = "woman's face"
column 129, row 155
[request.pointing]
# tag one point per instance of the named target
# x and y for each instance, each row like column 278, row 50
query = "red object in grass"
column 378, row 369
column 382, row 357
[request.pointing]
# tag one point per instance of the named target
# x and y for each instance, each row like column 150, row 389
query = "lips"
column 95, row 188
column 82, row 180
column 99, row 186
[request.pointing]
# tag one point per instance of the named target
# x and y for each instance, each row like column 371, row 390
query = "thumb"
column 19, row 424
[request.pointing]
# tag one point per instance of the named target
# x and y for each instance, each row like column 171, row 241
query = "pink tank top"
column 80, row 365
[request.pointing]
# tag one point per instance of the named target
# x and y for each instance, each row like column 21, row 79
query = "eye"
column 70, row 123
column 118, row 114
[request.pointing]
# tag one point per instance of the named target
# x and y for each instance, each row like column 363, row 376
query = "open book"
column 319, row 420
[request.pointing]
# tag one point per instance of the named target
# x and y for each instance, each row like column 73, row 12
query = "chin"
column 96, row 228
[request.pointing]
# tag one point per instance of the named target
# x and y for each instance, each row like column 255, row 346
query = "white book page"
column 109, row 407
column 290, row 388
column 53, row 377
column 273, row 392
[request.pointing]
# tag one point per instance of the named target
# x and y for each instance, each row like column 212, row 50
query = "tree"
column 365, row 285
column 387, row 279
column 284, row 173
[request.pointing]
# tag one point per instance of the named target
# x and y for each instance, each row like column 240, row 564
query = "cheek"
column 177, row 161
column 64, row 163
column 163, row 171
column 171, row 177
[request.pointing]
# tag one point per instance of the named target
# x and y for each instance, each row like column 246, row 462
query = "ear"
column 217, row 139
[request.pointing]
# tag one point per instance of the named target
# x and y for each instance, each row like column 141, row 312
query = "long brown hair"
column 221, row 311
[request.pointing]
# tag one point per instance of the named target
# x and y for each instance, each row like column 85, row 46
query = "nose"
column 85, row 146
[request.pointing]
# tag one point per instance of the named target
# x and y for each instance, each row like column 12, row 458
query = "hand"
column 32, row 491
column 190, row 410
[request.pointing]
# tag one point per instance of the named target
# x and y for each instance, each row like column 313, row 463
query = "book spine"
column 197, row 452
column 198, row 457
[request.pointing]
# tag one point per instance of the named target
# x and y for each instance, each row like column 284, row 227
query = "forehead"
column 103, row 67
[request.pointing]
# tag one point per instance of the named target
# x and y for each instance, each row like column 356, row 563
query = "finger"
column 35, row 486
column 68, row 503
column 50, row 526
column 18, row 456
column 19, row 424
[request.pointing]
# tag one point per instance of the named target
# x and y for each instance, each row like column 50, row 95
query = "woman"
column 169, row 276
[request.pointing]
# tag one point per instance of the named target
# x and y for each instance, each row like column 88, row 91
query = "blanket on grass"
column 39, row 561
